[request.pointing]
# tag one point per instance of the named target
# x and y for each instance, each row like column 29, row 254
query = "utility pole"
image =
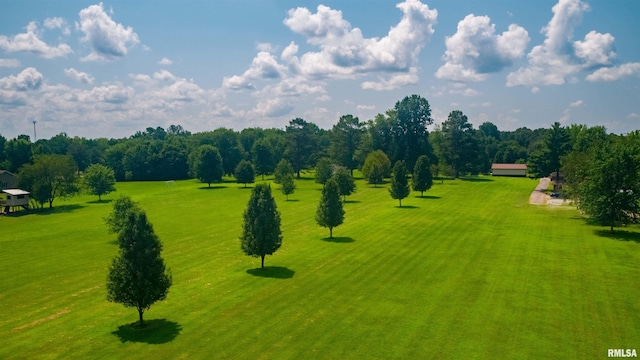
column 34, row 131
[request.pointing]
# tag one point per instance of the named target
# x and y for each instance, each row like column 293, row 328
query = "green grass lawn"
column 469, row 271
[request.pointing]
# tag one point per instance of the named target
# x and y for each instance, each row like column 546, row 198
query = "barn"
column 7, row 180
column 509, row 169
column 14, row 198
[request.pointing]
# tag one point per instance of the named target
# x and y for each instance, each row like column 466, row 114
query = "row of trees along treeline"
column 453, row 148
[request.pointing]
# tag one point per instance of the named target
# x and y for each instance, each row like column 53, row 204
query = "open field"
column 469, row 271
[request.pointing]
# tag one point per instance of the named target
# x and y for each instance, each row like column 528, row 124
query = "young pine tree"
column 399, row 182
column 330, row 212
column 422, row 179
column 261, row 234
column 137, row 275
column 287, row 185
column 346, row 184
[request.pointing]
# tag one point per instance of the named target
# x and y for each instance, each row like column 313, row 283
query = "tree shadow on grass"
column 157, row 331
column 427, row 197
column 620, row 235
column 103, row 201
column 47, row 211
column 352, row 201
column 407, row 207
column 292, row 200
column 275, row 272
column 476, row 179
column 213, row 187
column 339, row 239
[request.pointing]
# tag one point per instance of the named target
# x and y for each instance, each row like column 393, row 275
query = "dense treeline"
column 453, row 148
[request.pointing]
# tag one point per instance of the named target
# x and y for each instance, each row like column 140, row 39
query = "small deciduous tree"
column 49, row 177
column 330, row 212
column 399, row 182
column 244, row 173
column 206, row 164
column 346, row 184
column 261, row 234
column 422, row 179
column 137, row 275
column 121, row 206
column 99, row 180
column 283, row 169
column 610, row 194
column 324, row 171
column 288, row 186
column 377, row 157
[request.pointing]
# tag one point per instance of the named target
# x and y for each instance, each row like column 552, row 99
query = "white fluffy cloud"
column 108, row 39
column 31, row 42
column 79, row 76
column 475, row 50
column 28, row 79
column 346, row 53
column 615, row 73
column 263, row 66
column 558, row 57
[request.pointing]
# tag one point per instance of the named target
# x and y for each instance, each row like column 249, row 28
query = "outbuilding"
column 509, row 169
column 7, row 180
column 15, row 198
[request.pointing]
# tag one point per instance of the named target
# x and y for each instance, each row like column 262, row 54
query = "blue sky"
column 110, row 69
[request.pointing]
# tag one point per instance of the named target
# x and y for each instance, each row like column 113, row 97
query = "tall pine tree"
column 330, row 212
column 137, row 275
column 399, row 182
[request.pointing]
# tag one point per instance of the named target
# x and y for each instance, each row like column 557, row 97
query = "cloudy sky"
column 109, row 69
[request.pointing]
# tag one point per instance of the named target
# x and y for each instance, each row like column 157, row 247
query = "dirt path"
column 538, row 197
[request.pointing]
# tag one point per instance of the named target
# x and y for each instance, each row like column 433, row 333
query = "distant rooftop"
column 15, row 192
column 508, row 166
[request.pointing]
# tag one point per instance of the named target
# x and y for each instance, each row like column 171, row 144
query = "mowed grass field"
column 470, row 271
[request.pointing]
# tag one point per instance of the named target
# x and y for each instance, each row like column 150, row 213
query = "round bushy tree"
column 245, row 173
column 99, row 180
column 288, row 186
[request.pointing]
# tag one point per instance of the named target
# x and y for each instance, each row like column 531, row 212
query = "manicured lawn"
column 469, row 271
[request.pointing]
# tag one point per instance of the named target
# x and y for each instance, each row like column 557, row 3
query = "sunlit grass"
column 468, row 271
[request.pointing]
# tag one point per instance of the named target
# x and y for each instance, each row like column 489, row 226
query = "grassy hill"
column 469, row 271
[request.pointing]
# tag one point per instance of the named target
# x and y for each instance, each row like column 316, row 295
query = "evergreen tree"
column 137, row 275
column 288, row 186
column 244, row 173
column 324, row 171
column 375, row 176
column 283, row 169
column 422, row 179
column 261, row 233
column 399, row 182
column 346, row 184
column 99, row 180
column 330, row 212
